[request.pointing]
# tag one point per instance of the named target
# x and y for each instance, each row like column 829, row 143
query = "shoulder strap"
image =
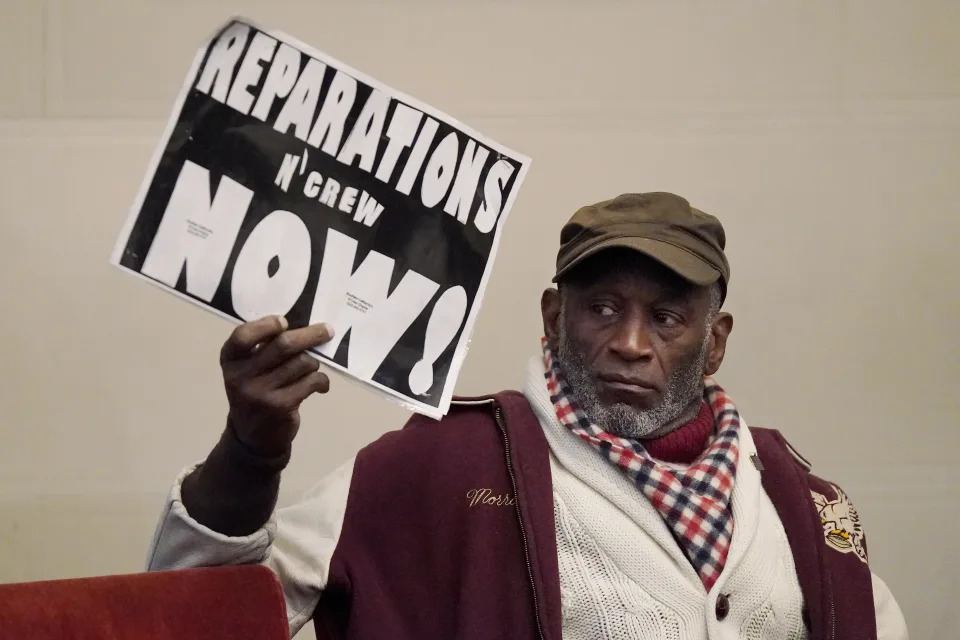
column 785, row 483
column 836, row 582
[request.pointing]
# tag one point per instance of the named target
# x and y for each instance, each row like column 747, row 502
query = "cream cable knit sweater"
column 621, row 573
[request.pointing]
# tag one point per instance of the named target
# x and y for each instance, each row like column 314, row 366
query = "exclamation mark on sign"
column 441, row 328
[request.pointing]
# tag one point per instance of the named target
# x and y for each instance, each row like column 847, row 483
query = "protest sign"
column 288, row 183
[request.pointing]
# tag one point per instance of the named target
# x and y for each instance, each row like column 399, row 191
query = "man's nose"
column 632, row 340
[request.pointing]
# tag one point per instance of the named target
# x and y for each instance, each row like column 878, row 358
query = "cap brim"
column 685, row 264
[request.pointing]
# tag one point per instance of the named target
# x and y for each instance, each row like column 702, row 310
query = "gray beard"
column 684, row 386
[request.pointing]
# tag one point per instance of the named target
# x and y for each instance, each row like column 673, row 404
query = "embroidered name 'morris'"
column 487, row 497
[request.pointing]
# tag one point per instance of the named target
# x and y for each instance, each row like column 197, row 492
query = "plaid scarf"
column 694, row 501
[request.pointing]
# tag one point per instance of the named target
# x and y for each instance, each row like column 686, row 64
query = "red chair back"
column 192, row 604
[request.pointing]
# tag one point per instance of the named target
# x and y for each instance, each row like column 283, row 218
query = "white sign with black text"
column 288, row 183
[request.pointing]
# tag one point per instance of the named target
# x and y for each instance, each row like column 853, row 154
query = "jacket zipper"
column 498, row 414
column 833, row 616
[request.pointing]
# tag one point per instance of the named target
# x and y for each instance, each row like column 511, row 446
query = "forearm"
column 234, row 491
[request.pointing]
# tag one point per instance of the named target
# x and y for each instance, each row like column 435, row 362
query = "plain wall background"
column 824, row 133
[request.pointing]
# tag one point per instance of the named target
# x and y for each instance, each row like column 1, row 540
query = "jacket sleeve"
column 297, row 542
column 891, row 624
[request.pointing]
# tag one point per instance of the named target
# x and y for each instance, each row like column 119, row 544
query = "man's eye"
column 666, row 319
column 604, row 310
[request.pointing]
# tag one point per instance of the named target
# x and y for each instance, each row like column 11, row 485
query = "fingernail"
column 329, row 328
column 284, row 323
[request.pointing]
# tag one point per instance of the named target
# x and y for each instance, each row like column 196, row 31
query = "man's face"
column 634, row 341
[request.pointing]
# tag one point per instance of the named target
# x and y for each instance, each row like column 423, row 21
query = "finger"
column 248, row 335
column 289, row 344
column 291, row 371
column 289, row 398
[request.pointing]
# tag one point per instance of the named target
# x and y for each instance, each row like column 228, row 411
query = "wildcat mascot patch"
column 841, row 523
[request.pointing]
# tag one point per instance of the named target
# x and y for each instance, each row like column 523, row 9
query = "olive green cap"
column 662, row 226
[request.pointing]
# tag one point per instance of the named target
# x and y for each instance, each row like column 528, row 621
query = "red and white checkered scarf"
column 694, row 501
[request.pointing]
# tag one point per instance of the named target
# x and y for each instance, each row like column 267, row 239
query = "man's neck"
column 685, row 443
column 689, row 413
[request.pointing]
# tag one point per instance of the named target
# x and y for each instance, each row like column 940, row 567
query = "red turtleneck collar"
column 685, row 443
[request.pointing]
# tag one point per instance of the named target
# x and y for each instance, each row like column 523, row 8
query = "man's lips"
column 633, row 386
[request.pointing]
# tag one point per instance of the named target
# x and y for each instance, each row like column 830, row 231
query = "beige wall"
column 825, row 134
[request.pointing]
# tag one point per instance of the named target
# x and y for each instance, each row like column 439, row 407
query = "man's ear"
column 719, row 332
column 550, row 307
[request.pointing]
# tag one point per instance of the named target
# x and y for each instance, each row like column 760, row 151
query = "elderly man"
column 620, row 495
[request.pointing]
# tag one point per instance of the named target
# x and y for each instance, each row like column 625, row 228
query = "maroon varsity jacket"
column 449, row 533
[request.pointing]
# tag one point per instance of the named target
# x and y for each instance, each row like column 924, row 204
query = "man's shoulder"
column 469, row 408
column 468, row 436
column 772, row 442
column 772, row 445
column 467, row 418
column 840, row 519
column 774, row 448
